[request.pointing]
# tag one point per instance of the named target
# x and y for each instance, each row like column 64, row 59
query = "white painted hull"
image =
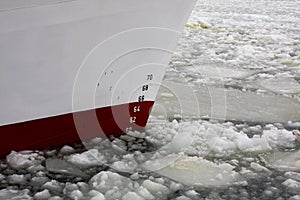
column 59, row 57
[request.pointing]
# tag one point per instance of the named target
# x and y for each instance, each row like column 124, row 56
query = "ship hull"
column 59, row 130
column 78, row 69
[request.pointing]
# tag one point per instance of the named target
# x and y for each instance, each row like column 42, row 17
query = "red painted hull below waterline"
column 74, row 127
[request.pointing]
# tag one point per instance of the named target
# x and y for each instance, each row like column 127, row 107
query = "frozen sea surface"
column 225, row 125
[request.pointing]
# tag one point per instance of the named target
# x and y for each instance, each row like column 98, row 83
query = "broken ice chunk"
column 193, row 171
column 283, row 160
column 156, row 189
column 106, row 180
column 87, row 159
column 292, row 185
column 132, row 195
column 22, row 160
column 15, row 194
column 63, row 167
column 45, row 194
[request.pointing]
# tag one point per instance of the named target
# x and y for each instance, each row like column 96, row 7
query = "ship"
column 72, row 70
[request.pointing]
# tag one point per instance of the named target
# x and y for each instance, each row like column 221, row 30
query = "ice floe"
column 283, row 160
column 88, row 158
column 22, row 160
column 281, row 85
column 113, row 185
column 64, row 167
column 15, row 194
column 193, row 171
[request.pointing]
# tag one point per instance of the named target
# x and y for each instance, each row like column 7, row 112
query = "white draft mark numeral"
column 132, row 120
column 136, row 109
